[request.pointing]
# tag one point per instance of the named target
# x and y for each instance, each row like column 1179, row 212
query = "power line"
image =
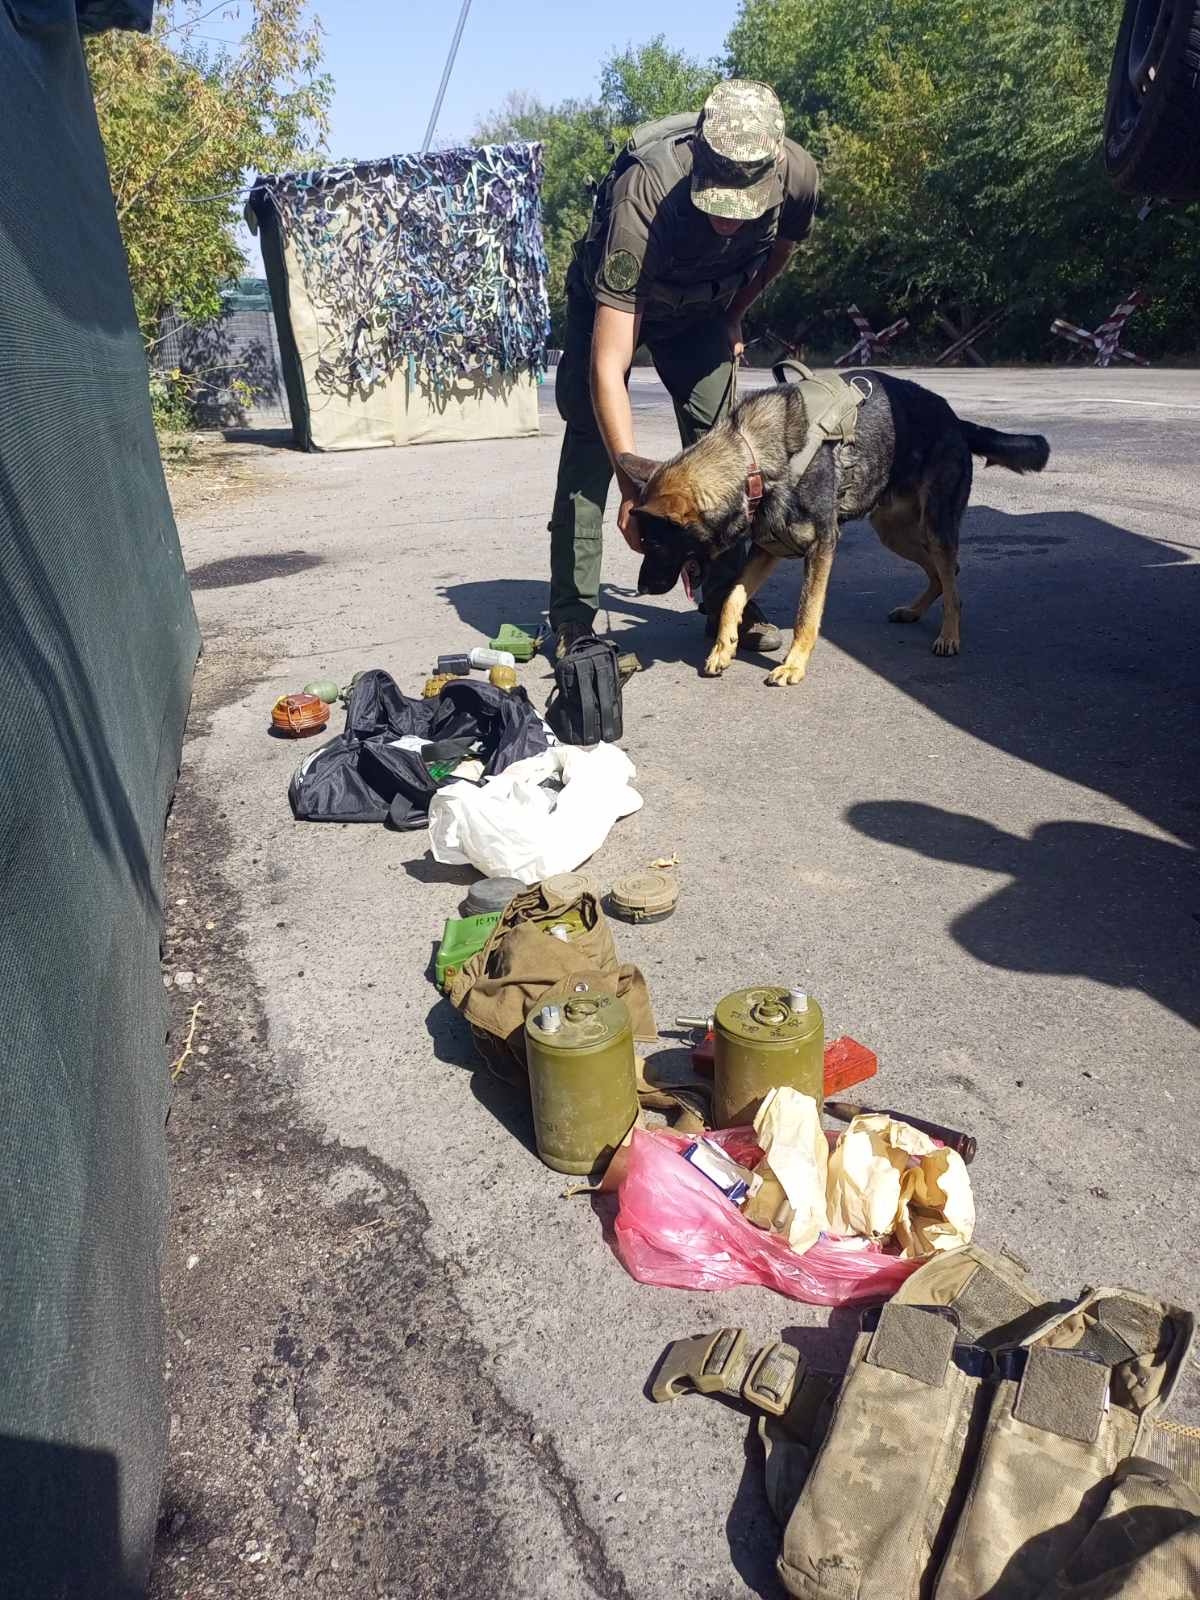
column 449, row 67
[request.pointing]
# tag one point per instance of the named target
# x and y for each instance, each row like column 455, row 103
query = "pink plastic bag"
column 675, row 1228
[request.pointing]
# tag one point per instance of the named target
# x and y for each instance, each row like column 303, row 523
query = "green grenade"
column 582, row 1077
column 763, row 1039
column 324, row 689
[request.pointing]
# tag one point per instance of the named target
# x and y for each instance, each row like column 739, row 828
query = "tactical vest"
column 982, row 1445
column 655, row 146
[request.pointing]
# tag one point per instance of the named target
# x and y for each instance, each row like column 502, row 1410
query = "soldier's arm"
column 781, row 254
column 614, row 340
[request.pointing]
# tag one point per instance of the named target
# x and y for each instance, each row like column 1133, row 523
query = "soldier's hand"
column 628, row 523
column 627, row 512
column 733, row 332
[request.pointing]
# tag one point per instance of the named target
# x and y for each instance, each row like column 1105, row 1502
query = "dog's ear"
column 639, row 468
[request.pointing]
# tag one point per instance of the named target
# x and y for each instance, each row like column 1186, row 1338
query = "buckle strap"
column 724, row 1363
column 755, row 487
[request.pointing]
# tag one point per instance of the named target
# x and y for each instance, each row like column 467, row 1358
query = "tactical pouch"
column 1071, row 1402
column 1145, row 1545
column 882, row 1497
column 586, row 705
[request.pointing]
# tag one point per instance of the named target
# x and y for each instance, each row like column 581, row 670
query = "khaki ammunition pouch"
column 982, row 1444
column 1072, row 1402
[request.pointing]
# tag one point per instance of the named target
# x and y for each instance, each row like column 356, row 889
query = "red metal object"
column 1105, row 342
column 298, row 714
column 869, row 345
column 846, row 1062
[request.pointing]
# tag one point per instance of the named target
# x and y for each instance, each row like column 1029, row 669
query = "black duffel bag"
column 362, row 774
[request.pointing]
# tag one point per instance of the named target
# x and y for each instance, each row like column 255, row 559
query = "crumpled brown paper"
column 796, row 1157
column 888, row 1178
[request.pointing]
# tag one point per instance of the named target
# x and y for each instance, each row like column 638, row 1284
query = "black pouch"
column 586, row 705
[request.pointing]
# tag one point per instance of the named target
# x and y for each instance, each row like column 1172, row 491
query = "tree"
column 960, row 149
column 582, row 137
column 183, row 121
column 638, row 85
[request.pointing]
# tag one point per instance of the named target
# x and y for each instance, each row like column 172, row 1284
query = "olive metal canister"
column 764, row 1039
column 582, row 1077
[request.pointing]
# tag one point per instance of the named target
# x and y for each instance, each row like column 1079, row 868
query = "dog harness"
column 831, row 408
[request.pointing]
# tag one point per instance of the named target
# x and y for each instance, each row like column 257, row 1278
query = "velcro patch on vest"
column 1175, row 1446
column 1062, row 1393
column 987, row 1303
column 1103, row 1344
column 1139, row 1326
column 914, row 1340
column 621, row 270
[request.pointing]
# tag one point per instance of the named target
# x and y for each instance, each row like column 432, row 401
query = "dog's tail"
column 1019, row 452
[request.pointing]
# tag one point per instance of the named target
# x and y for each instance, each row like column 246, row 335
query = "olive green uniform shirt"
column 658, row 254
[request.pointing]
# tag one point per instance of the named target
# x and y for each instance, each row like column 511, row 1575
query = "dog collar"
column 755, row 487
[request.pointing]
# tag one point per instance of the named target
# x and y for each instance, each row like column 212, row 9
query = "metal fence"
column 236, row 366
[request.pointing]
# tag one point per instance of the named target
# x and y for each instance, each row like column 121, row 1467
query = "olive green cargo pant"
column 695, row 365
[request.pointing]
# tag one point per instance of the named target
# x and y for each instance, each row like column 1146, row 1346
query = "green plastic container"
column 516, row 641
column 764, row 1039
column 462, row 938
column 582, row 1077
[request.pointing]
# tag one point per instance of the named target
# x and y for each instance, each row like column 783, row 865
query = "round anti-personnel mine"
column 570, row 885
column 644, row 896
column 491, row 894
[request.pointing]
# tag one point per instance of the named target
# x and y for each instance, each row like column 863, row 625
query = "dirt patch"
column 334, row 1426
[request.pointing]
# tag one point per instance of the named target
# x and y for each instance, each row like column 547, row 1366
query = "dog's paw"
column 785, row 673
column 942, row 646
column 904, row 614
column 717, row 662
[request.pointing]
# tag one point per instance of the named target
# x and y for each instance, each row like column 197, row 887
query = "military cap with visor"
column 736, row 159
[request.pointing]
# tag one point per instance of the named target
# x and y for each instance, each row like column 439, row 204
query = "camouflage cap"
column 735, row 169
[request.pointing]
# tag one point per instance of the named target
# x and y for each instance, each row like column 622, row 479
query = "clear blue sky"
column 386, row 58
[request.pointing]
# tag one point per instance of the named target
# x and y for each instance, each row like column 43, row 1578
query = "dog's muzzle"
column 657, row 576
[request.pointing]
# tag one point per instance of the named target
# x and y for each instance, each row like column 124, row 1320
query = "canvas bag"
column 498, row 988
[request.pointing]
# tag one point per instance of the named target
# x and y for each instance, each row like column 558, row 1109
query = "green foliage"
column 184, row 120
column 959, row 142
column 582, row 137
column 653, row 81
column 960, row 147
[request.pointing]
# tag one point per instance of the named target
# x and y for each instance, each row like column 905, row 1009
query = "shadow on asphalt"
column 645, row 626
column 453, row 1044
column 1085, row 667
column 1084, row 899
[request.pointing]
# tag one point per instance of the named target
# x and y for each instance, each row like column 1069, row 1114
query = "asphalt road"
column 402, row 1363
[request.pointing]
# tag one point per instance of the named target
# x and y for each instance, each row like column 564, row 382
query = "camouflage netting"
column 431, row 263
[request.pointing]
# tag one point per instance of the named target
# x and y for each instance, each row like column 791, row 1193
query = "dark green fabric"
column 694, row 364
column 261, row 215
column 96, row 652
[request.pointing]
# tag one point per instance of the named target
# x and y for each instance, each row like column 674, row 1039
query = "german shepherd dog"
column 908, row 470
